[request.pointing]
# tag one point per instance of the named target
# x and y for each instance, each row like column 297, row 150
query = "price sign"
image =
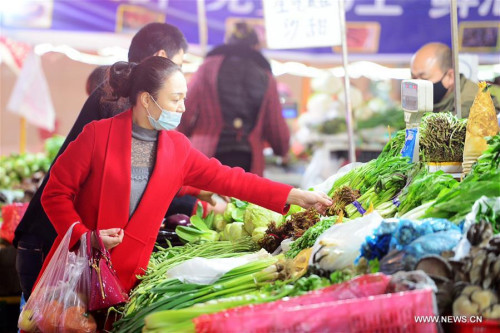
column 301, row 23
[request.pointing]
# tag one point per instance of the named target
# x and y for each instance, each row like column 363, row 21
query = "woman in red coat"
column 120, row 175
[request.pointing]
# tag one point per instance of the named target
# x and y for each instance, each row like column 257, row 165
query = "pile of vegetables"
column 391, row 185
column 483, row 180
column 342, row 197
column 293, row 227
column 15, row 168
column 394, row 146
column 425, row 186
column 181, row 320
column 442, row 137
column 172, row 294
column 166, row 258
column 309, row 237
column 490, row 159
column 26, row 170
column 378, row 181
column 240, row 219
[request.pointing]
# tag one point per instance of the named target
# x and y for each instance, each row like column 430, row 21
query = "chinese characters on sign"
column 440, row 8
column 301, row 23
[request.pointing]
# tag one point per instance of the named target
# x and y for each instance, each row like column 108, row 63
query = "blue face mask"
column 168, row 120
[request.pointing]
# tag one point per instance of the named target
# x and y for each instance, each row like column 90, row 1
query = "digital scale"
column 416, row 99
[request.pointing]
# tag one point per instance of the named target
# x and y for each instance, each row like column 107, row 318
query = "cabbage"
column 219, row 222
column 235, row 210
column 258, row 234
column 256, row 216
column 228, row 212
column 234, row 231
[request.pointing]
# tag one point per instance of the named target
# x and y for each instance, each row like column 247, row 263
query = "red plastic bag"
column 359, row 305
column 11, row 215
column 59, row 301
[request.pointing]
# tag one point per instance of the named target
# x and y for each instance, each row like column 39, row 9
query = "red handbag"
column 105, row 288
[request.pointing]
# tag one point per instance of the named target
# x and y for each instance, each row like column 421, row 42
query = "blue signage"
column 376, row 26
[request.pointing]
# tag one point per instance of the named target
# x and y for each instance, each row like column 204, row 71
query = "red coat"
column 203, row 121
column 90, row 183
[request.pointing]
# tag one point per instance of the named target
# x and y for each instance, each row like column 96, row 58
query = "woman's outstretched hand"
column 308, row 199
column 110, row 238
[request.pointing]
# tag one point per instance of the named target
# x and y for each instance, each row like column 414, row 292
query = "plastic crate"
column 386, row 313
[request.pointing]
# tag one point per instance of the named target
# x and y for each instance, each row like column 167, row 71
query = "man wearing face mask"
column 433, row 62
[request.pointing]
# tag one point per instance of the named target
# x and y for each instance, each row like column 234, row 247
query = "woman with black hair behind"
column 233, row 108
column 120, row 175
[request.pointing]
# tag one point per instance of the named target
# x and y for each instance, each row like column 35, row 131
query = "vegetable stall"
column 401, row 240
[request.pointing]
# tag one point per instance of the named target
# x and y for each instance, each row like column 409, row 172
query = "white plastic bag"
column 207, row 271
column 286, row 244
column 314, row 171
column 340, row 245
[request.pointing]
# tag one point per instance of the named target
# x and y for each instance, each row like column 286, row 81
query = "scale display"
column 409, row 96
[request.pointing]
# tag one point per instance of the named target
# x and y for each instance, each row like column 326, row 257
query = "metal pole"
column 202, row 26
column 22, row 134
column 454, row 49
column 347, row 86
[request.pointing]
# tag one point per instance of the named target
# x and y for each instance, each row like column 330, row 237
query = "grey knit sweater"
column 144, row 144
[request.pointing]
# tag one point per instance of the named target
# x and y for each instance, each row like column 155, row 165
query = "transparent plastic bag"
column 59, row 301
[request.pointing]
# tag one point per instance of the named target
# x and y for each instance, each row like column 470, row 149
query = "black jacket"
column 241, row 85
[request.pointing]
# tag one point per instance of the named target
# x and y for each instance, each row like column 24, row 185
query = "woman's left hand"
column 308, row 199
column 209, row 197
column 218, row 208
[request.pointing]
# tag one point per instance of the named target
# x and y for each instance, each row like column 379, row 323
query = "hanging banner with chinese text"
column 301, row 23
column 374, row 26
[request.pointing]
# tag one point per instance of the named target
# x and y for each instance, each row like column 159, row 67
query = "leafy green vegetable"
column 200, row 230
column 490, row 159
column 426, row 186
column 341, row 276
column 457, row 203
column 181, row 320
column 174, row 295
column 234, row 231
column 258, row 233
column 235, row 210
column 219, row 222
column 294, row 209
column 309, row 237
column 228, row 213
column 52, row 146
column 257, row 216
column 394, row 146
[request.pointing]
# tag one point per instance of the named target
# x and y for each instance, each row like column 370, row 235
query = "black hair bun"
column 121, row 78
